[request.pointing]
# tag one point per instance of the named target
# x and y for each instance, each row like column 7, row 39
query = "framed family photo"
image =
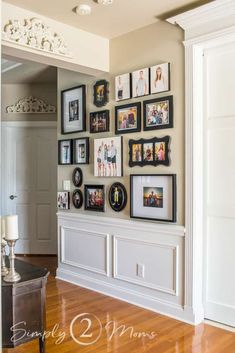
column 128, row 118
column 94, row 198
column 117, row 197
column 153, row 151
column 65, row 154
column 140, row 83
column 81, row 150
column 77, row 177
column 153, row 197
column 108, row 157
column 77, row 199
column 99, row 121
column 63, row 202
column 160, row 78
column 122, row 87
column 158, row 113
column 101, row 93
column 73, row 110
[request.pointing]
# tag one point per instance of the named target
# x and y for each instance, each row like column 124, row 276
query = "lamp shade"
column 11, row 227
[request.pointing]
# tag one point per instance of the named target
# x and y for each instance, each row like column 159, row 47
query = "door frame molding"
column 28, row 124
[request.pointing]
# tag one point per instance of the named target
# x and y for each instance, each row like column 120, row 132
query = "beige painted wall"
column 151, row 45
column 12, row 93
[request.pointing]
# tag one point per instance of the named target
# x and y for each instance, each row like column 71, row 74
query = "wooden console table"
column 23, row 306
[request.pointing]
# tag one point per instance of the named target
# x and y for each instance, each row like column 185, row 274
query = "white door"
column 219, row 205
column 29, row 184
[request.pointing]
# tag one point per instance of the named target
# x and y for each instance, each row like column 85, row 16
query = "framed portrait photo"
column 77, row 198
column 160, row 78
column 158, row 113
column 101, row 93
column 94, row 198
column 108, row 157
column 140, row 83
column 63, row 200
column 99, row 121
column 81, row 150
column 77, row 177
column 65, row 154
column 128, row 118
column 73, row 110
column 117, row 197
column 153, row 197
column 123, row 87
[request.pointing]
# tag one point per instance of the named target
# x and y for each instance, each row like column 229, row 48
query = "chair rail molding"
column 31, row 105
column 196, row 43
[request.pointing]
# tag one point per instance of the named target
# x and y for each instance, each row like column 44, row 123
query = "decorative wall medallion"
column 31, row 105
column 35, row 34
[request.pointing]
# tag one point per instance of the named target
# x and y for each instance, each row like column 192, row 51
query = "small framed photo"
column 160, row 78
column 140, row 83
column 73, row 110
column 158, row 113
column 123, row 87
column 77, row 177
column 99, row 121
column 95, row 198
column 108, row 157
column 65, row 154
column 153, row 197
column 63, row 202
column 101, row 93
column 81, row 150
column 77, row 198
column 117, row 197
column 128, row 118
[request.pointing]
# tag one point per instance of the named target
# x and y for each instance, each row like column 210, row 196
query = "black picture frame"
column 128, row 107
column 77, row 177
column 101, row 100
column 156, row 159
column 113, row 204
column 77, row 202
column 70, row 156
column 84, row 160
column 103, row 114
column 80, row 98
column 87, row 205
column 173, row 177
column 155, row 102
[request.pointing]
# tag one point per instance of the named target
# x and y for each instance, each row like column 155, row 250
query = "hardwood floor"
column 65, row 301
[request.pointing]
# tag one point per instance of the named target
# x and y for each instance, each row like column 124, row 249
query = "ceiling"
column 108, row 21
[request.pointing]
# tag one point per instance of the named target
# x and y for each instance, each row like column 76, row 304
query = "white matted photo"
column 140, row 83
column 160, row 78
column 122, row 87
column 63, row 200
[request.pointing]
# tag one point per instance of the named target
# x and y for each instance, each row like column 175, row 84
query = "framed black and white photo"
column 81, row 150
column 101, row 93
column 158, row 113
column 153, row 151
column 77, row 177
column 117, row 197
column 63, row 200
column 65, row 152
column 99, row 121
column 123, row 87
column 128, row 118
column 153, row 197
column 73, row 110
column 94, row 198
column 140, row 83
column 160, row 78
column 77, row 198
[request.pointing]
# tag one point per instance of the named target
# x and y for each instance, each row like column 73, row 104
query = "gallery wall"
column 154, row 44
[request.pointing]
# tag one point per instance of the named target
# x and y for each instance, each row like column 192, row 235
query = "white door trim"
column 23, row 124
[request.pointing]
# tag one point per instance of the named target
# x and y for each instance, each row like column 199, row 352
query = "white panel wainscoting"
column 104, row 254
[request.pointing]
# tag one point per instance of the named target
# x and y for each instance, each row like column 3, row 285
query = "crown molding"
column 31, row 105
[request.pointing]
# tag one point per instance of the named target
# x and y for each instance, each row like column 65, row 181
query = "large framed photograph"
column 128, row 118
column 160, row 78
column 101, row 93
column 153, row 151
column 99, row 121
column 158, row 113
column 140, row 83
column 65, row 154
column 63, row 200
column 153, row 197
column 108, row 157
column 123, row 87
column 94, row 198
column 73, row 110
column 81, row 150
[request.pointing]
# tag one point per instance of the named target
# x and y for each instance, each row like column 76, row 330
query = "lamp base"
column 4, row 271
column 12, row 277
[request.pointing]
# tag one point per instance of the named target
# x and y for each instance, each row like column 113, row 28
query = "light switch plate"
column 66, row 185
